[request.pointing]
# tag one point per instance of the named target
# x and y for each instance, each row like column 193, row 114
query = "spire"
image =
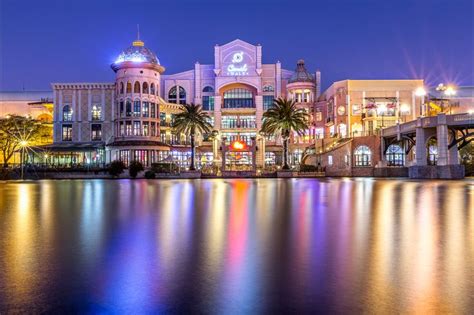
column 138, row 42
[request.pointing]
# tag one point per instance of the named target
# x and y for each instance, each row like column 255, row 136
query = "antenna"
column 138, row 31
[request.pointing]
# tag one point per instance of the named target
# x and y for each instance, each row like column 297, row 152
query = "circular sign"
column 341, row 110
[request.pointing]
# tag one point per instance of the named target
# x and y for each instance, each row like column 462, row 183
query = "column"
column 442, row 136
column 217, row 112
column 420, row 146
column 254, row 154
column 259, row 110
column 224, row 149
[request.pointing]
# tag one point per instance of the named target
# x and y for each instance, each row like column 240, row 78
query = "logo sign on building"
column 237, row 65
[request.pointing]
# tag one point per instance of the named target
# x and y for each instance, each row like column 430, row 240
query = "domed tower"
column 302, row 85
column 137, row 112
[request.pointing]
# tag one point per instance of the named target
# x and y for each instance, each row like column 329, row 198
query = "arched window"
column 136, row 108
column 174, row 98
column 395, row 155
column 96, row 112
column 128, row 108
column 152, row 88
column 129, row 87
column 362, row 156
column 145, row 88
column 67, row 113
column 268, row 88
column 121, row 87
column 136, row 87
column 208, row 89
column 432, row 151
column 238, row 98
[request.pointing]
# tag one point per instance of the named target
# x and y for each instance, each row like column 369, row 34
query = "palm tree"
column 284, row 117
column 189, row 121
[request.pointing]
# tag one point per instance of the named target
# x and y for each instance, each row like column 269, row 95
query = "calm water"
column 237, row 246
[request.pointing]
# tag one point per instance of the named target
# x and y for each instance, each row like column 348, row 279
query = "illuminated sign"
column 238, row 145
column 237, row 67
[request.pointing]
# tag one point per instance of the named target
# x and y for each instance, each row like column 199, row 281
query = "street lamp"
column 404, row 109
column 421, row 93
column 448, row 91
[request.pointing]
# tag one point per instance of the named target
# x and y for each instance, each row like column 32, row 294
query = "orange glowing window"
column 238, row 145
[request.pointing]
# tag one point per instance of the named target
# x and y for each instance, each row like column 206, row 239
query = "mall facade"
column 131, row 118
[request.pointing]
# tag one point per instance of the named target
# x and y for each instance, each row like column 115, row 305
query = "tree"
column 283, row 118
column 16, row 131
column 134, row 168
column 116, row 168
column 189, row 121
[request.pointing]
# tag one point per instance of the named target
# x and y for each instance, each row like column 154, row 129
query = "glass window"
column 128, row 128
column 270, row 158
column 330, row 162
column 145, row 88
column 136, row 88
column 173, row 95
column 67, row 113
column 267, row 101
column 153, row 129
column 96, row 112
column 96, row 132
column 268, row 88
column 122, row 108
column 208, row 103
column 145, row 130
column 129, row 87
column 128, row 109
column 229, row 122
column 395, row 155
column 121, row 88
column 208, row 89
column 122, row 129
column 152, row 88
column 152, row 110
column 136, row 109
column 247, row 122
column 136, row 128
column 145, row 109
column 67, row 132
column 362, row 156
column 238, row 98
column 162, row 119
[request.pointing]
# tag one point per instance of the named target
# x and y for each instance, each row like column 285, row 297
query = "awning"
column 72, row 147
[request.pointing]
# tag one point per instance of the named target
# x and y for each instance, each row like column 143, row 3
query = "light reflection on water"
column 237, row 246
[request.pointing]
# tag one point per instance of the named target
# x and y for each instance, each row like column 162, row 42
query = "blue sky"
column 75, row 41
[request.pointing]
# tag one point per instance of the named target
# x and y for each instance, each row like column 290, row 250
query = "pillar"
column 420, row 145
column 254, row 154
column 223, row 151
column 453, row 156
column 442, row 137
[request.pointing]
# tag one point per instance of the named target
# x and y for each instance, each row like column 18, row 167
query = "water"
column 230, row 246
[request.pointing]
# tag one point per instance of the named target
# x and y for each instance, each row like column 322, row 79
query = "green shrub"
column 308, row 168
column 164, row 167
column 116, row 168
column 150, row 174
column 134, row 168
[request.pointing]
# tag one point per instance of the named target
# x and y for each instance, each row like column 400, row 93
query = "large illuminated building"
column 131, row 118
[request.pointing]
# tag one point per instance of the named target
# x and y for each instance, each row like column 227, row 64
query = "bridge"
column 437, row 140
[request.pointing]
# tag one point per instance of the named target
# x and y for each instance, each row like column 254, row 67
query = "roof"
column 301, row 74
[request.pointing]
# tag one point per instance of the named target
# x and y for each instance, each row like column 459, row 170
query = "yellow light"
column 405, row 108
column 23, row 143
column 420, row 91
column 450, row 91
column 237, row 145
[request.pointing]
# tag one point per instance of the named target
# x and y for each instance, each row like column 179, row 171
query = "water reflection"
column 237, row 246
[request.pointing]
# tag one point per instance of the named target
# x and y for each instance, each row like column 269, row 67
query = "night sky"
column 76, row 41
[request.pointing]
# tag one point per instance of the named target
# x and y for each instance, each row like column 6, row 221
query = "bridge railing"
column 460, row 119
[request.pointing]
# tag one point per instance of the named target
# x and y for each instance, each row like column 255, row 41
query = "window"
column 96, row 112
column 67, row 133
column 152, row 89
column 395, row 155
column 267, row 101
column 129, row 87
column 121, row 87
column 136, row 87
column 238, row 98
column 136, row 108
column 270, row 158
column 173, row 96
column 145, row 109
column 122, row 129
column 121, row 108
column 145, row 88
column 208, row 103
column 210, row 120
column 145, row 130
column 319, row 132
column 268, row 88
column 163, row 119
column 229, row 122
column 330, row 162
column 362, row 156
column 153, row 129
column 208, row 89
column 432, row 151
column 152, row 110
column 128, row 108
column 136, row 128
column 96, row 132
column 128, row 128
column 356, row 109
column 247, row 122
column 67, row 113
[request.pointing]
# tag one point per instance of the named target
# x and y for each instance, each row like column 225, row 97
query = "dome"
column 301, row 74
column 137, row 53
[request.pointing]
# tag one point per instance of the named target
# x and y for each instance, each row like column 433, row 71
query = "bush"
column 134, row 168
column 116, row 168
column 150, row 175
column 308, row 168
column 165, row 168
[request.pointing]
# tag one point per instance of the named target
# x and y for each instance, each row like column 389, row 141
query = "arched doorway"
column 432, row 151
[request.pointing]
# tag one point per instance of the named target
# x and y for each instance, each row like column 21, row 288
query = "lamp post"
column 448, row 91
column 23, row 145
column 421, row 93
